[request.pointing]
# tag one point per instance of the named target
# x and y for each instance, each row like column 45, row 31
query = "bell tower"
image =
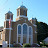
column 21, row 12
column 7, row 18
column 6, row 24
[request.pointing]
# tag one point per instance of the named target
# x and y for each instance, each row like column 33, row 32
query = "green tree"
column 42, row 30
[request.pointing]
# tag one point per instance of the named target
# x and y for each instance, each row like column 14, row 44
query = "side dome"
column 33, row 19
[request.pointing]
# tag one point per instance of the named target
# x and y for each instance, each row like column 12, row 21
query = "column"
column 21, row 34
column 31, row 40
column 27, row 39
column 31, row 37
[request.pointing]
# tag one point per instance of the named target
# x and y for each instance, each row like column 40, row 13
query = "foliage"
column 42, row 30
column 26, row 45
column 16, row 45
column 42, row 43
column 43, row 46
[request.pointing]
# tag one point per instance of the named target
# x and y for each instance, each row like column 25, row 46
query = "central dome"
column 21, row 6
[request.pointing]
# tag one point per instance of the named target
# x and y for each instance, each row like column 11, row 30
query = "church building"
column 22, row 30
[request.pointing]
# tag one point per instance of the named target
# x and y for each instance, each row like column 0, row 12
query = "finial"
column 22, row 3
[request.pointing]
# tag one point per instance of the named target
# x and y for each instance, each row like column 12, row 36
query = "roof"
column 22, row 7
column 9, row 12
column 33, row 18
column 46, row 39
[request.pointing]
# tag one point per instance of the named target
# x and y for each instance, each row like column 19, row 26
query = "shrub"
column 17, row 45
column 26, row 45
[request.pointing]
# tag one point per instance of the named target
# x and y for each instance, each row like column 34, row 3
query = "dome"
column 9, row 12
column 21, row 6
column 33, row 18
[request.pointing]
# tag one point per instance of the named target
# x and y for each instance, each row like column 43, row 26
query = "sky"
column 36, row 9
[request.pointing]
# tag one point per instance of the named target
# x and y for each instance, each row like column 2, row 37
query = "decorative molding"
column 22, row 16
column 25, row 23
column 23, row 8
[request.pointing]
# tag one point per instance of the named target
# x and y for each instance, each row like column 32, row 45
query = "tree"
column 42, row 30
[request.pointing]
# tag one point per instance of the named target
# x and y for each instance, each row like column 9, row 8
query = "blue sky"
column 36, row 8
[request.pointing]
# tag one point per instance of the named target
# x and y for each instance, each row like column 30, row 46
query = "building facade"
column 22, row 30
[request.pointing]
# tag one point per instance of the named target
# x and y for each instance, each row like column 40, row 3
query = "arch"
column 31, row 34
column 19, row 28
column 25, row 28
column 30, row 30
column 18, row 32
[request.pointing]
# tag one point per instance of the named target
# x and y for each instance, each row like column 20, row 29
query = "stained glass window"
column 30, row 30
column 19, row 29
column 24, row 29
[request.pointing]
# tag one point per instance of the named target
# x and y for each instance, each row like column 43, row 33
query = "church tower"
column 7, row 18
column 21, row 12
column 6, row 24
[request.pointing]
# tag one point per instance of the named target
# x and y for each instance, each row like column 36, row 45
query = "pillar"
column 31, row 37
column 21, row 34
column 27, row 39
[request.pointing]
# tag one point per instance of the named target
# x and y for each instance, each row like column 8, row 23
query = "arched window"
column 19, row 29
column 24, row 29
column 30, row 30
